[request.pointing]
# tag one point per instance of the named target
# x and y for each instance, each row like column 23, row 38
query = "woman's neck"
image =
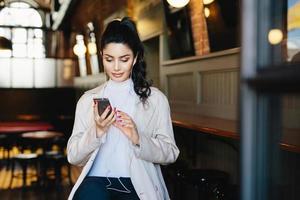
column 120, row 85
column 120, row 82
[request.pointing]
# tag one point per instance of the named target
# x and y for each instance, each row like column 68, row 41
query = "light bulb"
column 79, row 50
column 206, row 12
column 178, row 3
column 206, row 2
column 275, row 36
column 92, row 48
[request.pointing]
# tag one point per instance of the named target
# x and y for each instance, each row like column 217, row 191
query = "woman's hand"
column 102, row 123
column 127, row 126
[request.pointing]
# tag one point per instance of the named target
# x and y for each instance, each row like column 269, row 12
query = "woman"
column 121, row 151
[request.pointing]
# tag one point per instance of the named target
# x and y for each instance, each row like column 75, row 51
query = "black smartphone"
column 102, row 105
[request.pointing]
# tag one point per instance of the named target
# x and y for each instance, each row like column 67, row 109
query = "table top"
column 21, row 126
column 42, row 135
column 229, row 129
column 210, row 125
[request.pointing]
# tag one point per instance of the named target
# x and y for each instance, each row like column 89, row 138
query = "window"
column 270, row 111
column 22, row 25
column 25, row 66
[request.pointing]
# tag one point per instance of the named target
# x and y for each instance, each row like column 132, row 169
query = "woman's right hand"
column 102, row 123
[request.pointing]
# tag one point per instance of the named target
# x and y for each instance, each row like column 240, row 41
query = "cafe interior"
column 229, row 68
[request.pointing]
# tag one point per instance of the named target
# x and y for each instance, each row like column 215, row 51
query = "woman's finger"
column 110, row 118
column 111, row 122
column 112, row 114
column 96, row 116
column 123, row 115
column 104, row 114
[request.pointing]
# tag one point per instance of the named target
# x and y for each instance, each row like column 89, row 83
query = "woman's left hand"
column 127, row 126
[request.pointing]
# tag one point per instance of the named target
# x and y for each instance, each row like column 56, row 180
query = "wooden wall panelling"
column 211, row 89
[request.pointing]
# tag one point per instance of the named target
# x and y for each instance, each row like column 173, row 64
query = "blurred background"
column 230, row 69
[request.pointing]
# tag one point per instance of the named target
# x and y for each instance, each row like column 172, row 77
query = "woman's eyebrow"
column 108, row 55
column 123, row 56
column 126, row 55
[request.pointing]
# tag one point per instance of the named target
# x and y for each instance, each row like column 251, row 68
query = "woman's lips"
column 117, row 75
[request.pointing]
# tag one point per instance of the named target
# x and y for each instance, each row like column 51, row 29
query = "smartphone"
column 102, row 105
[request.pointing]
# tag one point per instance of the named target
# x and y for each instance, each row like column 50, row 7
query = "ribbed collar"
column 126, row 85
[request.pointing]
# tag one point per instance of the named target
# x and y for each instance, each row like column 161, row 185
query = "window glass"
column 293, row 27
column 19, row 50
column 5, row 72
column 5, row 32
column 22, row 73
column 19, row 35
column 44, row 72
column 287, row 174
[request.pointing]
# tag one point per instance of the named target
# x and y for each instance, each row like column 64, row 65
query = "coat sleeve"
column 159, row 146
column 83, row 140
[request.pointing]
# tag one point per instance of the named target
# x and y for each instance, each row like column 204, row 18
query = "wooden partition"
column 54, row 105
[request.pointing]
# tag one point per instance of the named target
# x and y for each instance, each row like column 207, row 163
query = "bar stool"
column 209, row 183
column 56, row 160
column 24, row 160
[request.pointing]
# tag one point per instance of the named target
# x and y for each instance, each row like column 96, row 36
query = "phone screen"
column 102, row 105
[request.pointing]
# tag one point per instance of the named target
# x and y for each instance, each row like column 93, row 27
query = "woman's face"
column 118, row 60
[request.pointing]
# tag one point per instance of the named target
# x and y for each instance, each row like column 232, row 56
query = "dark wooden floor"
column 36, row 193
column 33, row 191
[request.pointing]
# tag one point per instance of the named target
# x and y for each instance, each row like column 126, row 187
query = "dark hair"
column 124, row 31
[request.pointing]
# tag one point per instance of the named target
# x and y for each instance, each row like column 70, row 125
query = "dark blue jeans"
column 105, row 188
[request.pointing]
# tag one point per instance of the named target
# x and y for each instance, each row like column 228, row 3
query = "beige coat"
column 157, row 144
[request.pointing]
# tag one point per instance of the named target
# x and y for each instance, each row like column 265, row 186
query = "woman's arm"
column 159, row 146
column 83, row 140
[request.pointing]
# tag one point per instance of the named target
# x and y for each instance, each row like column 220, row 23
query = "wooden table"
column 42, row 138
column 209, row 125
column 229, row 129
column 42, row 135
column 17, row 127
column 12, row 130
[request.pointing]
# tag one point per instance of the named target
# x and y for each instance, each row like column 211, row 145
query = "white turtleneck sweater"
column 113, row 157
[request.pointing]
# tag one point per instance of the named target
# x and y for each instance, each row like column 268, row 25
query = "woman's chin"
column 118, row 79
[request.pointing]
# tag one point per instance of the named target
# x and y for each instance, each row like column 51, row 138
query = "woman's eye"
column 108, row 60
column 124, row 60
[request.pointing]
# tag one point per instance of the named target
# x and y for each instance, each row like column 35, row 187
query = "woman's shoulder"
column 95, row 90
column 90, row 94
column 157, row 95
column 155, row 92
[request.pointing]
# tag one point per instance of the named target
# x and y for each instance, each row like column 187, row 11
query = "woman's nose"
column 116, row 67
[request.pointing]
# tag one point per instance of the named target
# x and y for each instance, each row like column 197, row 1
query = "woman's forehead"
column 117, row 49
